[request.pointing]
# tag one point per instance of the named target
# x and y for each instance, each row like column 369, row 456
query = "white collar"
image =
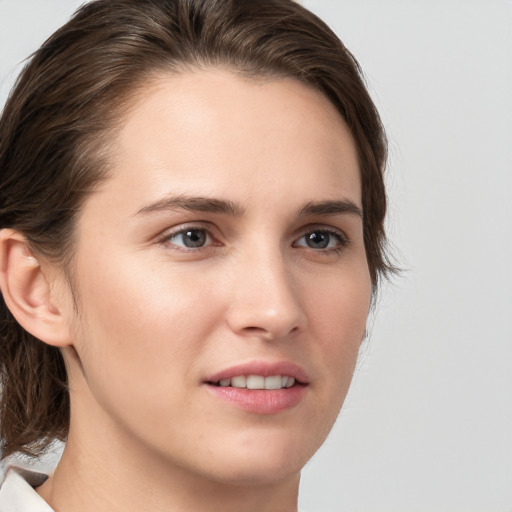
column 17, row 493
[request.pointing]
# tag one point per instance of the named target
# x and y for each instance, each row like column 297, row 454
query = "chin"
column 263, row 459
column 259, row 473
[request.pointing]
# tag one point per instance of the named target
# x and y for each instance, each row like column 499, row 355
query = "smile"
column 258, row 382
column 260, row 387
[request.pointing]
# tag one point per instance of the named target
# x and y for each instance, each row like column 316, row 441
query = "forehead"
column 211, row 132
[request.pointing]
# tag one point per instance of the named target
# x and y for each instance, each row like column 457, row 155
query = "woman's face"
column 226, row 250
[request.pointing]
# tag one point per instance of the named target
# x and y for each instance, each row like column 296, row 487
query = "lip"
column 260, row 401
column 266, row 369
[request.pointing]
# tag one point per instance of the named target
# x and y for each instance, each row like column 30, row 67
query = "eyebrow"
column 335, row 207
column 213, row 205
column 193, row 204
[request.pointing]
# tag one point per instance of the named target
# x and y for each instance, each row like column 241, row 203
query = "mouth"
column 260, row 388
column 270, row 382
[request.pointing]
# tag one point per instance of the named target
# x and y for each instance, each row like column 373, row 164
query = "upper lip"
column 263, row 368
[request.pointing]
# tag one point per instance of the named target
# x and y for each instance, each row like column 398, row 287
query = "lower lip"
column 260, row 401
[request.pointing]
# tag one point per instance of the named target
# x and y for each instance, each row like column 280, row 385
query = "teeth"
column 258, row 382
column 273, row 382
column 291, row 382
column 239, row 382
column 255, row 382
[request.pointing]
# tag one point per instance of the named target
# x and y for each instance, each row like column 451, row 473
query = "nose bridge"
column 265, row 299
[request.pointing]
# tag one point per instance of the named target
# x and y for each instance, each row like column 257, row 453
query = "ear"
column 27, row 291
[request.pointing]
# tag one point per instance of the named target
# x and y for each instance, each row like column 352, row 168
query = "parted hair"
column 73, row 93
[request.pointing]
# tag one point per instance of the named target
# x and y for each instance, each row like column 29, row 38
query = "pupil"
column 195, row 238
column 318, row 240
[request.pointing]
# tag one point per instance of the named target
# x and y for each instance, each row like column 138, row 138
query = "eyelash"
column 341, row 239
column 167, row 239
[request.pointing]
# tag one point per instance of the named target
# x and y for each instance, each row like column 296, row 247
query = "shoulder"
column 17, row 492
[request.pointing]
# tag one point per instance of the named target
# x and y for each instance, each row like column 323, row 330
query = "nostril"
column 263, row 318
column 269, row 333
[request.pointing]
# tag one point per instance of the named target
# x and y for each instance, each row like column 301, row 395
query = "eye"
column 322, row 239
column 190, row 238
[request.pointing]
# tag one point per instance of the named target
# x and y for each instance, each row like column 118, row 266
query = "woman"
column 191, row 214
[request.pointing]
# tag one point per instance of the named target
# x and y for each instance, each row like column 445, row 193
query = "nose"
column 266, row 299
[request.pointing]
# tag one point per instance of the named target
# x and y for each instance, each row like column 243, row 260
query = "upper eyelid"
column 322, row 227
column 181, row 228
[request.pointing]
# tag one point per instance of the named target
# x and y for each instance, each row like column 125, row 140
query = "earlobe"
column 26, row 291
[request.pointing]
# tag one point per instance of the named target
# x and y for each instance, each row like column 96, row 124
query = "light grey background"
column 427, row 426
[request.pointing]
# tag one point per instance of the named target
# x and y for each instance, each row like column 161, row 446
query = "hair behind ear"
column 30, row 401
column 34, row 403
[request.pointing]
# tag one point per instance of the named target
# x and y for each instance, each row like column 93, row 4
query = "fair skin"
column 228, row 234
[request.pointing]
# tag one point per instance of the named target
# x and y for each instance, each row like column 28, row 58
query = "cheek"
column 340, row 304
column 141, row 325
column 340, row 315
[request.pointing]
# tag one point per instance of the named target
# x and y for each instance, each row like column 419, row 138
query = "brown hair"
column 72, row 92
